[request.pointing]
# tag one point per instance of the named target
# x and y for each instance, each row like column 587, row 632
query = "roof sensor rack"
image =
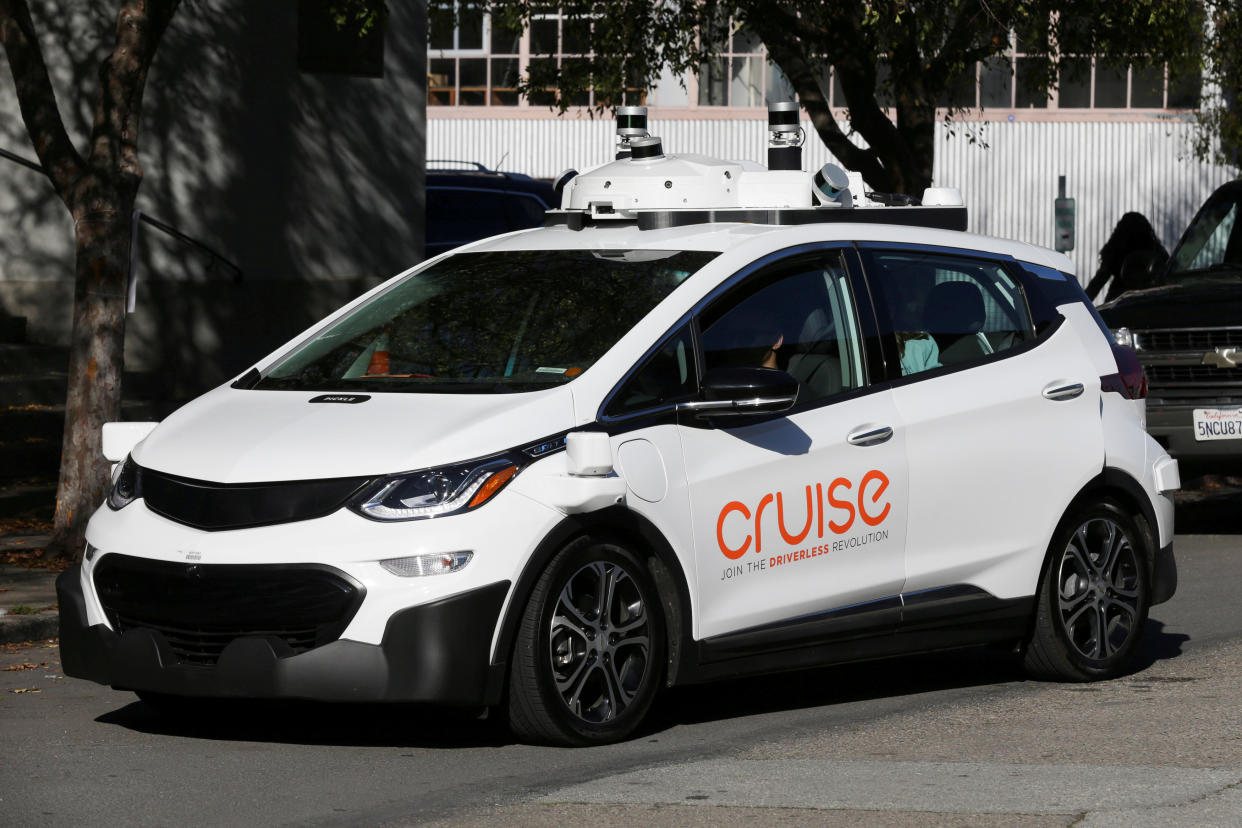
column 653, row 189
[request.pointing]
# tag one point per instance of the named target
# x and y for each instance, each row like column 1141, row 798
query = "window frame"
column 1010, row 266
column 742, row 282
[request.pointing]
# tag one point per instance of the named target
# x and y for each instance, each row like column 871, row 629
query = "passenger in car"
column 919, row 352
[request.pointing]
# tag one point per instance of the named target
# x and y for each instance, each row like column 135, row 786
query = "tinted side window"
column 798, row 316
column 945, row 310
column 667, row 376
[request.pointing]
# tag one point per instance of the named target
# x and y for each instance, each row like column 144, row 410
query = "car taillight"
column 1130, row 381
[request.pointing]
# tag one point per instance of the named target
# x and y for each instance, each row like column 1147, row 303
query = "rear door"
column 1002, row 425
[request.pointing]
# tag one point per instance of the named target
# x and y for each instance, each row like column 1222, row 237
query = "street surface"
column 950, row 739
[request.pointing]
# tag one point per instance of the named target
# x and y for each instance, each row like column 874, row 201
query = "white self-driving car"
column 713, row 419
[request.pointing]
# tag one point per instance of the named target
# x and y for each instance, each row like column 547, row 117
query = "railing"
column 139, row 216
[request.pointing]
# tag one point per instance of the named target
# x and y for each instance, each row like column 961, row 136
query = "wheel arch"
column 646, row 540
column 1129, row 495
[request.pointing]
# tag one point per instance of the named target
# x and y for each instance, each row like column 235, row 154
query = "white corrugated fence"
column 1008, row 176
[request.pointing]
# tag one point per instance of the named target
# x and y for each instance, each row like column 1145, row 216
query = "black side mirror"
column 736, row 390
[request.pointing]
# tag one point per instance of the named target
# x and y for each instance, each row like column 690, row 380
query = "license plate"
column 1218, row 424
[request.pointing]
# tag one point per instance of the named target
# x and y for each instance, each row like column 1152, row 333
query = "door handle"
column 1058, row 391
column 869, row 435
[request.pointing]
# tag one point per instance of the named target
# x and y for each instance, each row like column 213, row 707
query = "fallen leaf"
column 27, row 690
column 26, row 666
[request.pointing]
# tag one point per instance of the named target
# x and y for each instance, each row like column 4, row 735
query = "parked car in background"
column 1187, row 330
column 472, row 203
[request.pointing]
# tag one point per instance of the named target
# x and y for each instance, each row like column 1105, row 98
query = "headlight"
column 125, row 485
column 436, row 492
column 1123, row 336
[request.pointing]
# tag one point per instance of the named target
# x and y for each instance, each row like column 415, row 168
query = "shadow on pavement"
column 888, row 678
column 312, row 723
column 415, row 726
column 1157, row 645
column 1208, row 503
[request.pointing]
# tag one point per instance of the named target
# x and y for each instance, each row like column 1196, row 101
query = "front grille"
column 216, row 506
column 1197, row 374
column 1189, row 339
column 200, row 608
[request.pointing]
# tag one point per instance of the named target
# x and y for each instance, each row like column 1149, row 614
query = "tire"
column 590, row 651
column 1098, row 578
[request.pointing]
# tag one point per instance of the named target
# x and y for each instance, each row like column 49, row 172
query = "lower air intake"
column 200, row 608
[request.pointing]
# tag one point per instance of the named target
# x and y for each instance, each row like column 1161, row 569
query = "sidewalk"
column 27, row 597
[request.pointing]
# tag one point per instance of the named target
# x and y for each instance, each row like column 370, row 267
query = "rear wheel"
column 590, row 650
column 1093, row 601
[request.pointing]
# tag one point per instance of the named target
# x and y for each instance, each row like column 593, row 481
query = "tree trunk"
column 95, row 365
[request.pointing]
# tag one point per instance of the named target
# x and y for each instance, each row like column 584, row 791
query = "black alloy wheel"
column 1095, row 596
column 590, row 650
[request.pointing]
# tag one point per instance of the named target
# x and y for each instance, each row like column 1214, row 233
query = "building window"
column 474, row 61
column 736, row 77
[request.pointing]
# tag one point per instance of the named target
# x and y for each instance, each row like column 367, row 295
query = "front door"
column 805, row 514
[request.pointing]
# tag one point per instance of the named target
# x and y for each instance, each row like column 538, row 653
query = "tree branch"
column 140, row 24
column 37, row 99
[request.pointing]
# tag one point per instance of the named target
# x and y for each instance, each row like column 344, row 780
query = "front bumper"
column 1164, row 576
column 437, row 652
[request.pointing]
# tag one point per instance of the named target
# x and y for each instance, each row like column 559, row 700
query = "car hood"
column 1207, row 303
column 236, row 436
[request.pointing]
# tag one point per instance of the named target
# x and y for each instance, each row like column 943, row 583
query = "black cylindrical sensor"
column 632, row 121
column 784, row 158
column 783, row 116
column 644, row 148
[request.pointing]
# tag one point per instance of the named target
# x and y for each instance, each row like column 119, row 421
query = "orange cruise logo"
column 847, row 502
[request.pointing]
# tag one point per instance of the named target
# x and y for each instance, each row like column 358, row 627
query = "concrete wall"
column 311, row 183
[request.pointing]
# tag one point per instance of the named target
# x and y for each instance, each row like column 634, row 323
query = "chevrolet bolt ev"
column 712, row 420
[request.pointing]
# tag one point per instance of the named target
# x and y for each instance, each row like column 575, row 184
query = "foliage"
column 1220, row 120
column 907, row 56
column 358, row 16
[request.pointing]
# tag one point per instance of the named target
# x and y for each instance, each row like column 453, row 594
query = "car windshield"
column 1212, row 248
column 488, row 323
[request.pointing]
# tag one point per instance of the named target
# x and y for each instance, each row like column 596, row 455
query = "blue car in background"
column 471, row 203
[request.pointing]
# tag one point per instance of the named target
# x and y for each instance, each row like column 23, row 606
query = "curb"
column 16, row 628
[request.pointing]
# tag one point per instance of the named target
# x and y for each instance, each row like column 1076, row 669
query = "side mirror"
column 736, row 390
column 119, row 439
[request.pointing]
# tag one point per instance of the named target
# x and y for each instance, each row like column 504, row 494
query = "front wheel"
column 1093, row 602
column 590, row 651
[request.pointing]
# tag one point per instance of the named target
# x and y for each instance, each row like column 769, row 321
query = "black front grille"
column 216, row 506
column 1197, row 374
column 200, row 608
column 1191, row 339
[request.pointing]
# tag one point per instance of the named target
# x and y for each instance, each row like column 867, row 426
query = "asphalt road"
column 951, row 739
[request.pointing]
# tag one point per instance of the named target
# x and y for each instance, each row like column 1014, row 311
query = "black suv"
column 1187, row 330
column 464, row 205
